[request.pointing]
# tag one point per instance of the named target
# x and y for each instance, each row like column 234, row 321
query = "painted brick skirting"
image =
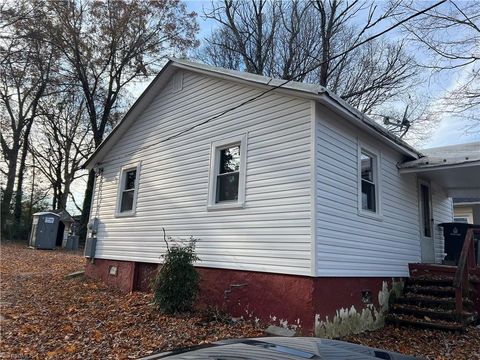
column 285, row 300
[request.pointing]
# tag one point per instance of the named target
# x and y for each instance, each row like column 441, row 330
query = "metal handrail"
column 465, row 263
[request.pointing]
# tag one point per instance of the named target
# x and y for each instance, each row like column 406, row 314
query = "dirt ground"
column 44, row 316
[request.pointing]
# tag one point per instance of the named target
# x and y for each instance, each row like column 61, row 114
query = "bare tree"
column 25, row 72
column 248, row 31
column 322, row 42
column 63, row 143
column 107, row 45
column 449, row 36
column 264, row 37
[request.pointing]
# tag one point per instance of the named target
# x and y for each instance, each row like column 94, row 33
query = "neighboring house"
column 303, row 206
column 466, row 210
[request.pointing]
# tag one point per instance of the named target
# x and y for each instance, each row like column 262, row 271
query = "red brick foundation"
column 270, row 298
column 123, row 279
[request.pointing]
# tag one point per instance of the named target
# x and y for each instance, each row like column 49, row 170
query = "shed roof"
column 45, row 213
column 310, row 91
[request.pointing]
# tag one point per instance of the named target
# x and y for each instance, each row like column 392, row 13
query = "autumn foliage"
column 43, row 315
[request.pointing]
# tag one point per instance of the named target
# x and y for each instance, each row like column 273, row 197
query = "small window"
column 227, row 173
column 128, row 191
column 368, row 183
column 369, row 201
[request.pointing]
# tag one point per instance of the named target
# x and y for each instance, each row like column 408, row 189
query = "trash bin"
column 72, row 242
column 454, row 235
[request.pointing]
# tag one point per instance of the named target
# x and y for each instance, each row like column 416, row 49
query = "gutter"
column 413, row 169
column 354, row 117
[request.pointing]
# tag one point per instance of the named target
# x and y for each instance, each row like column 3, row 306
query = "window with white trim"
column 368, row 187
column 128, row 189
column 227, row 173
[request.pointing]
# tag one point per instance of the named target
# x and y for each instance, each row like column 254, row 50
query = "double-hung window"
column 227, row 173
column 128, row 189
column 368, row 186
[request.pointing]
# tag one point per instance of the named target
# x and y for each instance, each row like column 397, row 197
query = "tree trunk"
column 32, row 190
column 63, row 196
column 17, row 213
column 86, row 206
column 8, row 192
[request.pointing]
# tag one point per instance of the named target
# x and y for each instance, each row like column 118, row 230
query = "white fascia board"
column 429, row 168
column 262, row 83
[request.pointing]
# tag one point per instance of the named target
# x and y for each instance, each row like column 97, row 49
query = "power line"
column 282, row 84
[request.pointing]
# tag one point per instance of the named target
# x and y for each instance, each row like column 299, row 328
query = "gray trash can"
column 72, row 242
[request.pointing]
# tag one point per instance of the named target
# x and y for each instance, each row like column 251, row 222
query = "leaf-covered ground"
column 44, row 316
column 428, row 344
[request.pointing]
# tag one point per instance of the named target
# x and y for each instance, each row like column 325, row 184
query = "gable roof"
column 309, row 91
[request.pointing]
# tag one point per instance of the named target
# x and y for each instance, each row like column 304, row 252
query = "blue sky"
column 447, row 131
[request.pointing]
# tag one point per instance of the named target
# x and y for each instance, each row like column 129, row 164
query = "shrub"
column 177, row 282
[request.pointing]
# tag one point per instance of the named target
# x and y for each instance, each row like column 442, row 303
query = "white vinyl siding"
column 442, row 209
column 271, row 233
column 349, row 244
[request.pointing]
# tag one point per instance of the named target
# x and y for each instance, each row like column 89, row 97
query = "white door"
column 426, row 222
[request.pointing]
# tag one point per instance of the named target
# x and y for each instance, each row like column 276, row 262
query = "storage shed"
column 65, row 228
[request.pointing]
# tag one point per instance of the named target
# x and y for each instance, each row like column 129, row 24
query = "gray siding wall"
column 442, row 208
column 272, row 233
column 349, row 244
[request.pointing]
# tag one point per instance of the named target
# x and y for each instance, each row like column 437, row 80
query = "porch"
column 442, row 296
column 447, row 295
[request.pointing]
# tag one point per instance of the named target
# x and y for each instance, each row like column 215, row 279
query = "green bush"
column 177, row 282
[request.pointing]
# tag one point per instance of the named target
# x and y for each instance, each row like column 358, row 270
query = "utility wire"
column 282, row 84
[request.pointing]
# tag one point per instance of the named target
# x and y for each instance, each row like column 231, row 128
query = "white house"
column 303, row 206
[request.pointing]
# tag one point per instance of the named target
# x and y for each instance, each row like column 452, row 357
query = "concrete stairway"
column 428, row 301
